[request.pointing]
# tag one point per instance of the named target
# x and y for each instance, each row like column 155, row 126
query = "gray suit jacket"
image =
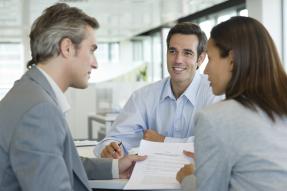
column 238, row 149
column 36, row 148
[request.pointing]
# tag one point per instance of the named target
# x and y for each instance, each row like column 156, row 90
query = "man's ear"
column 66, row 47
column 201, row 59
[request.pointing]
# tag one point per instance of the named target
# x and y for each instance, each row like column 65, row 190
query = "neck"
column 56, row 72
column 178, row 88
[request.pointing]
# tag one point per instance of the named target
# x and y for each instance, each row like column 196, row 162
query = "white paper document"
column 159, row 170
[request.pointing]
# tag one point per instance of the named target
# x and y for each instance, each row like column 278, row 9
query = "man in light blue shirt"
column 164, row 111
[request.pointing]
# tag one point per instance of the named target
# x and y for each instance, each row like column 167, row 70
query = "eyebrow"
column 188, row 50
column 185, row 49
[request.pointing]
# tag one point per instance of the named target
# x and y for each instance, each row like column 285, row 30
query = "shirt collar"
column 167, row 91
column 190, row 93
column 61, row 98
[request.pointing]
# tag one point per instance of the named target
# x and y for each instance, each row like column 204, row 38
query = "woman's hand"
column 187, row 169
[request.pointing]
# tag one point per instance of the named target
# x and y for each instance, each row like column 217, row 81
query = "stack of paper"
column 159, row 170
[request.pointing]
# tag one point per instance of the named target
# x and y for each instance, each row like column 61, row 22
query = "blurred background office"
column 131, row 43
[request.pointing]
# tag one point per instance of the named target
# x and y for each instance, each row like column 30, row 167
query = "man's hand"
column 187, row 169
column 127, row 163
column 113, row 150
column 151, row 135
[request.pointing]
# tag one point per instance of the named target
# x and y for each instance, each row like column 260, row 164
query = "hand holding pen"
column 113, row 150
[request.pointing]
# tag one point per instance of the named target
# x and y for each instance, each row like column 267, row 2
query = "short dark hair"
column 189, row 28
column 258, row 77
column 57, row 22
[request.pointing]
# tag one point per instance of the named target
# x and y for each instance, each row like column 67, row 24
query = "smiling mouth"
column 178, row 69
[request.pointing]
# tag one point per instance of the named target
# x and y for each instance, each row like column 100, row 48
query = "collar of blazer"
column 36, row 75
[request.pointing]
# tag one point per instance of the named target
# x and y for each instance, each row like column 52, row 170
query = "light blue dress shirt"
column 155, row 107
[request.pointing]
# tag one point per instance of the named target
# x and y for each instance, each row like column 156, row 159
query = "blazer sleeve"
column 98, row 169
column 189, row 183
column 36, row 150
column 212, row 154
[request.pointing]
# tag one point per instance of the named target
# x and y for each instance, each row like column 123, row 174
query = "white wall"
column 84, row 102
column 285, row 32
column 270, row 14
column 107, row 71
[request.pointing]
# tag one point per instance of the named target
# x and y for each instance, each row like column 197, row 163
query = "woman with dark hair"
column 241, row 143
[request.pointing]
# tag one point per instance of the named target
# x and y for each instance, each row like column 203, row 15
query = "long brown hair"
column 258, row 76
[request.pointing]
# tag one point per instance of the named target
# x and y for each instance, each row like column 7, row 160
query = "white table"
column 85, row 148
column 115, row 184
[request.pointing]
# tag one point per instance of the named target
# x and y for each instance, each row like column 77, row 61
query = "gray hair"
column 56, row 23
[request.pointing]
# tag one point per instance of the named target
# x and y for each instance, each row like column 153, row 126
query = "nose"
column 178, row 58
column 94, row 63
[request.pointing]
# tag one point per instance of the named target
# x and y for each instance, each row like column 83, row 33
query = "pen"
column 119, row 144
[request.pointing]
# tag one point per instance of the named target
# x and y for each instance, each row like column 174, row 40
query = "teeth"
column 178, row 69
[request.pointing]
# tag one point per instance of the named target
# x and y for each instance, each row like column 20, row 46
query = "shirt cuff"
column 178, row 140
column 115, row 169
